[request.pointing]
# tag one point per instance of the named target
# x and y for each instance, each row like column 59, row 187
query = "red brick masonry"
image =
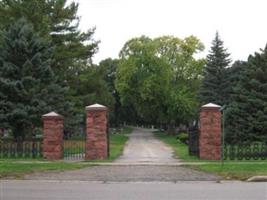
column 53, row 136
column 96, row 130
column 210, row 132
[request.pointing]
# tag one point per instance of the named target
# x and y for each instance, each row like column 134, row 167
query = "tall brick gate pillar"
column 96, row 132
column 210, row 132
column 53, row 136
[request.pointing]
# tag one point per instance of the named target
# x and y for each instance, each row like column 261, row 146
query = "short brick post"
column 96, row 132
column 53, row 136
column 210, row 132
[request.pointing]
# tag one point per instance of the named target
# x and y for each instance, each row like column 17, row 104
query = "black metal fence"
column 193, row 143
column 245, row 151
column 10, row 148
column 74, row 149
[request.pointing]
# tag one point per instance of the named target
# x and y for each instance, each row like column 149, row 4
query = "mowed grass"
column 240, row 170
column 117, row 143
column 235, row 170
column 10, row 168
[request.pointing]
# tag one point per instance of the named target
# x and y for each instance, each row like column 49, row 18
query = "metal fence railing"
column 74, row 149
column 21, row 149
column 245, row 151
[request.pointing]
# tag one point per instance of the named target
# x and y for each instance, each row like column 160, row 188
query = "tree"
column 108, row 68
column 142, row 79
column 55, row 21
column 28, row 85
column 215, row 83
column 233, row 74
column 246, row 116
column 179, row 54
column 159, row 78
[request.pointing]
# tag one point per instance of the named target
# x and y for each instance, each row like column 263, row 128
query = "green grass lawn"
column 240, row 170
column 234, row 170
column 18, row 168
column 117, row 143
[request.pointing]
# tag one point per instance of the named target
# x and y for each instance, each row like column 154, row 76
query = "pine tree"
column 233, row 76
column 213, row 88
column 28, row 86
column 246, row 116
column 56, row 21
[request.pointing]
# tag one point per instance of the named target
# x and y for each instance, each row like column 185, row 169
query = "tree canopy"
column 159, row 77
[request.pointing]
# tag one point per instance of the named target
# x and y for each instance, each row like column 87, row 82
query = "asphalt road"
column 84, row 190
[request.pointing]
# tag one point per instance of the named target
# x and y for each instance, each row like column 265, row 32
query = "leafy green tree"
column 159, row 78
column 28, row 86
column 143, row 79
column 246, row 116
column 179, row 54
column 215, row 83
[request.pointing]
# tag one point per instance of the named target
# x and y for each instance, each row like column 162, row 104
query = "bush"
column 183, row 137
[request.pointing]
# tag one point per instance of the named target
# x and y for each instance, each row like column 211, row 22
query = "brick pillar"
column 53, row 136
column 96, row 132
column 210, row 132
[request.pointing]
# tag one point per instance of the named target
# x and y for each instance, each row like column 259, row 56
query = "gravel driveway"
column 142, row 147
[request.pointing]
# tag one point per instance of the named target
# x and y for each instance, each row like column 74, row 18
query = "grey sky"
column 241, row 23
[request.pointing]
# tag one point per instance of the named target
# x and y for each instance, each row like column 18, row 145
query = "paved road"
column 143, row 147
column 83, row 190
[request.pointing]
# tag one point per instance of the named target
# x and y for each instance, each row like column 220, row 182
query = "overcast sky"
column 242, row 24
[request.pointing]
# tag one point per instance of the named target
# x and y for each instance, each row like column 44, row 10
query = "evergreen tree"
column 233, row 76
column 215, row 83
column 56, row 21
column 28, row 85
column 246, row 116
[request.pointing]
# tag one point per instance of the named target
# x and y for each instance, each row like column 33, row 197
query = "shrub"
column 183, row 137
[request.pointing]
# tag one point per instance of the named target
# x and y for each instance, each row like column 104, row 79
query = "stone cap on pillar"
column 210, row 106
column 96, row 107
column 52, row 115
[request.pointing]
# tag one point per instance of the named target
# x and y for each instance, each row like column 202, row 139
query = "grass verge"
column 234, row 170
column 17, row 169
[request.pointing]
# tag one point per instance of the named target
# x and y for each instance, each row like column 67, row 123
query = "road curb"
column 257, row 179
